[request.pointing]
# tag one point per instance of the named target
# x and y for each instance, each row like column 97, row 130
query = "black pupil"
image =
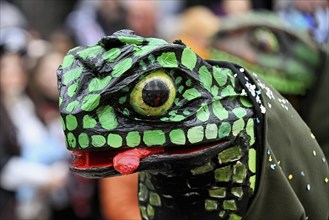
column 155, row 93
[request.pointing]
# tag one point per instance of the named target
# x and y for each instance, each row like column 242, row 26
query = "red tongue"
column 127, row 161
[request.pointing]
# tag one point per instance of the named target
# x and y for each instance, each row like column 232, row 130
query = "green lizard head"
column 130, row 104
column 286, row 59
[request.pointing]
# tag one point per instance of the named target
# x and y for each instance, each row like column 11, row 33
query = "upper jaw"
column 99, row 164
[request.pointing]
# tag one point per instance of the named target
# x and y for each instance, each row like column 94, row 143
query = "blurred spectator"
column 311, row 16
column 44, row 16
column 42, row 88
column 142, row 17
column 9, row 150
column 91, row 20
column 197, row 24
column 61, row 41
column 229, row 7
column 11, row 16
column 42, row 169
column 225, row 7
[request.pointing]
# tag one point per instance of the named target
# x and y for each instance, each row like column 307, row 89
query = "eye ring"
column 265, row 40
column 153, row 95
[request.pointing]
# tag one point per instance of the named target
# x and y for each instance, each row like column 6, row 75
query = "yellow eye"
column 153, row 95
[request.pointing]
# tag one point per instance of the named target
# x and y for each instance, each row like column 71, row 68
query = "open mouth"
column 106, row 163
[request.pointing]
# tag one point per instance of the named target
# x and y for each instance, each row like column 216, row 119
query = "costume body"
column 289, row 172
column 202, row 134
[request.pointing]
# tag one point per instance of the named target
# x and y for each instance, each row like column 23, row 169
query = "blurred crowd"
column 35, row 36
